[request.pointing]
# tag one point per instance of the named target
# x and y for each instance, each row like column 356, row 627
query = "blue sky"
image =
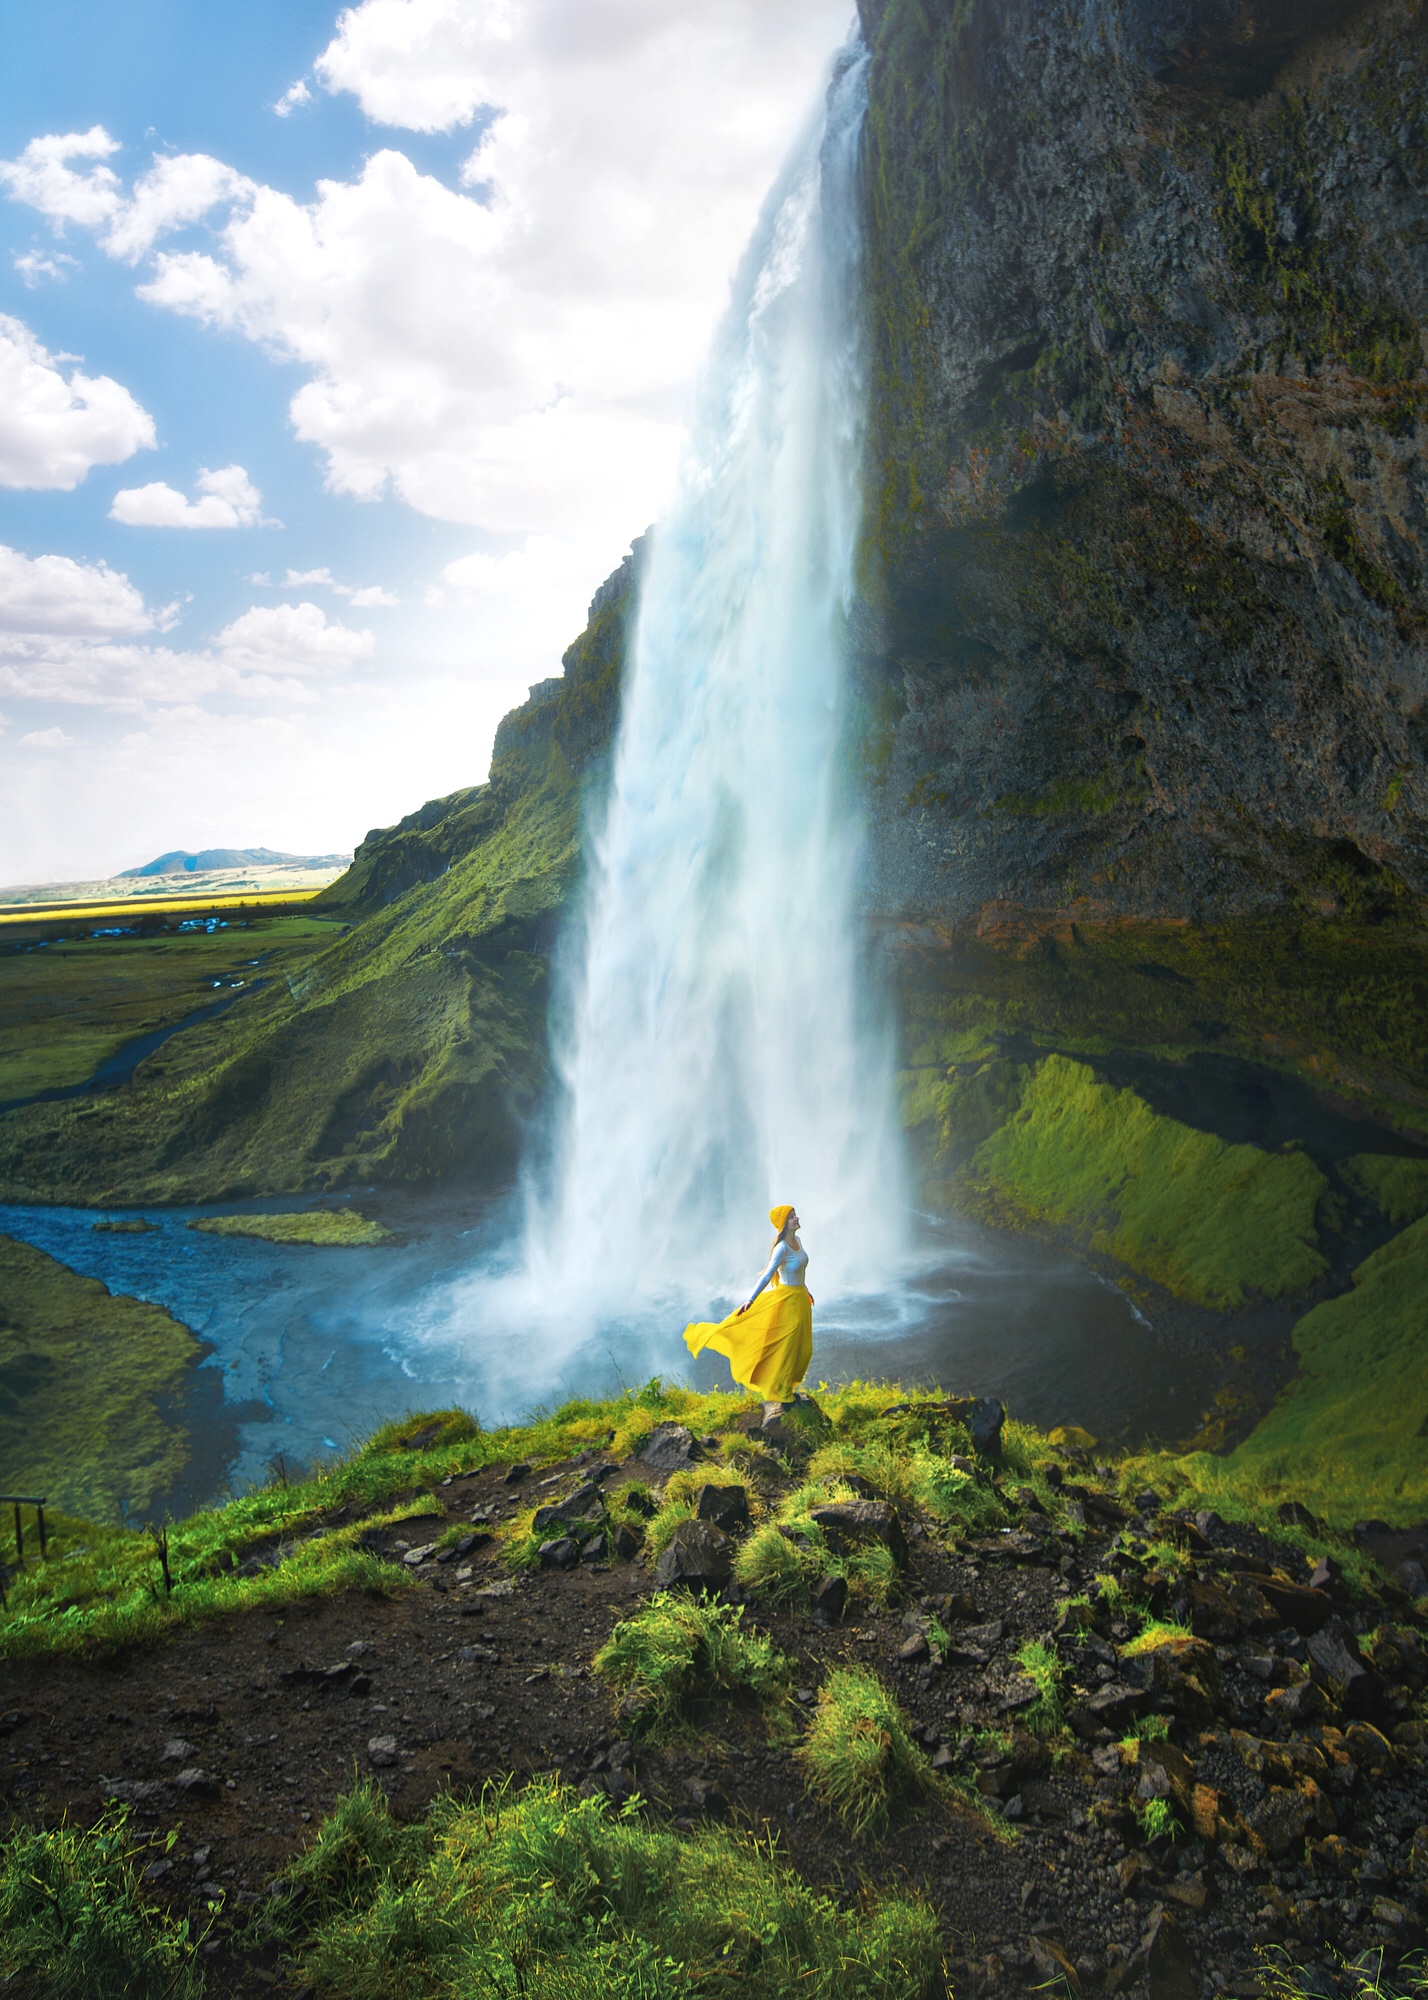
column 420, row 338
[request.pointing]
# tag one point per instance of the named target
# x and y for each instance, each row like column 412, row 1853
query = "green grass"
column 74, row 1925
column 1346, row 1436
column 88, row 1388
column 858, row 1756
column 1398, row 1188
column 1042, row 1665
column 65, row 1008
column 547, row 1896
column 1215, row 1224
column 1157, row 1819
column 342, row 1227
column 679, row 1655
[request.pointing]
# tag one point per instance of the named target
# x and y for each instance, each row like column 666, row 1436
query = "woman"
column 770, row 1344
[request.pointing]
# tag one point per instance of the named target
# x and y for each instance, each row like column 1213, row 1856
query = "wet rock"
column 560, row 1552
column 848, row 1524
column 1111, row 1707
column 669, row 1448
column 1278, row 1822
column 1053, row 1966
column 830, row 1599
column 381, row 1752
column 583, row 1504
column 627, row 1543
column 726, row 1506
column 1337, row 1664
column 697, row 1556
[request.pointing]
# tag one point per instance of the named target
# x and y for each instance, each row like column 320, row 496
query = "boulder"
column 792, row 1428
column 697, row 1556
column 561, row 1552
column 1292, row 1604
column 669, row 1448
column 381, row 1752
column 627, row 1544
column 1340, row 1669
column 1180, row 1674
column 1279, row 1821
column 726, row 1506
column 848, row 1524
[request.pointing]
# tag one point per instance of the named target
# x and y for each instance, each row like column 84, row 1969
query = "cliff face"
column 1147, row 578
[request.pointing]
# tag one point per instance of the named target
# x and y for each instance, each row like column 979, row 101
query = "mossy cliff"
column 412, row 1047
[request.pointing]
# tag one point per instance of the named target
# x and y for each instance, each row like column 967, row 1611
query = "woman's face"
column 793, row 1225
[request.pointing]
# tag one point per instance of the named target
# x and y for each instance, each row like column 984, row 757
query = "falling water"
column 719, row 1054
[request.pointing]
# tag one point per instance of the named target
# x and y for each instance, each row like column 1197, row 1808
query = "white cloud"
column 295, row 95
column 295, row 638
column 55, row 594
column 176, row 191
column 229, row 500
column 43, row 177
column 510, row 355
column 46, row 739
column 32, row 267
column 364, row 597
column 53, row 431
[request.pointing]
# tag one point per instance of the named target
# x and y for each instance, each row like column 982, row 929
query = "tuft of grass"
column 1398, row 1188
column 73, row 1923
column 1042, row 1665
column 677, row 1655
column 548, row 1896
column 858, row 1756
column 1156, row 1632
column 1157, row 1821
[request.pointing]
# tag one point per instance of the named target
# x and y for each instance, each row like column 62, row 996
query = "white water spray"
column 719, row 1057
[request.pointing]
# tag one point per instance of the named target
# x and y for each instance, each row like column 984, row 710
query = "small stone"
column 423, row 1553
column 805, row 1697
column 156, row 1870
column 847, row 1524
column 196, row 1782
column 177, row 1750
column 915, row 1648
column 1337, row 1664
column 358, row 1647
column 517, row 1473
column 382, row 1750
column 562, row 1552
column 627, row 1543
column 830, row 1598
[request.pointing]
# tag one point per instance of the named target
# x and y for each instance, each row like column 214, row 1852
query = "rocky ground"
column 1294, row 1759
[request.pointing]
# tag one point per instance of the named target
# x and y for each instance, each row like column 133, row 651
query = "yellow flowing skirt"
column 768, row 1347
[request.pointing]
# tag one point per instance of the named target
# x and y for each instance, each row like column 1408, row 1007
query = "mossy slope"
column 412, row 1048
column 88, row 1386
column 1213, row 1223
column 1347, row 1436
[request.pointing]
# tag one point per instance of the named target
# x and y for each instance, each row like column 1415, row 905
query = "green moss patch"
column 88, row 1382
column 1398, row 1188
column 1215, row 1224
column 1346, row 1437
column 342, row 1226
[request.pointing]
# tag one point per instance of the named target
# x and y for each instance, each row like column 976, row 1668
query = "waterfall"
column 718, row 1053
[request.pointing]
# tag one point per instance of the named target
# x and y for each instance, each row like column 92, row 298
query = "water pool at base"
column 314, row 1347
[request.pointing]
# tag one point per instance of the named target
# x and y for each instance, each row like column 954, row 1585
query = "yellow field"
column 133, row 907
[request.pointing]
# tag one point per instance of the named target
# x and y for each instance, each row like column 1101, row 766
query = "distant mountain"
column 179, row 863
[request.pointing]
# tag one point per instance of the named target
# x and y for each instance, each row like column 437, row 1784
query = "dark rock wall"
column 1145, row 582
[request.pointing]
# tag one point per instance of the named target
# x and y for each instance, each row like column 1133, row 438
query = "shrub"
column 678, row 1654
column 858, row 1756
column 72, row 1922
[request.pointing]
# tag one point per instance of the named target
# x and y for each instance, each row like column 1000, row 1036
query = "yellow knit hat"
column 779, row 1216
